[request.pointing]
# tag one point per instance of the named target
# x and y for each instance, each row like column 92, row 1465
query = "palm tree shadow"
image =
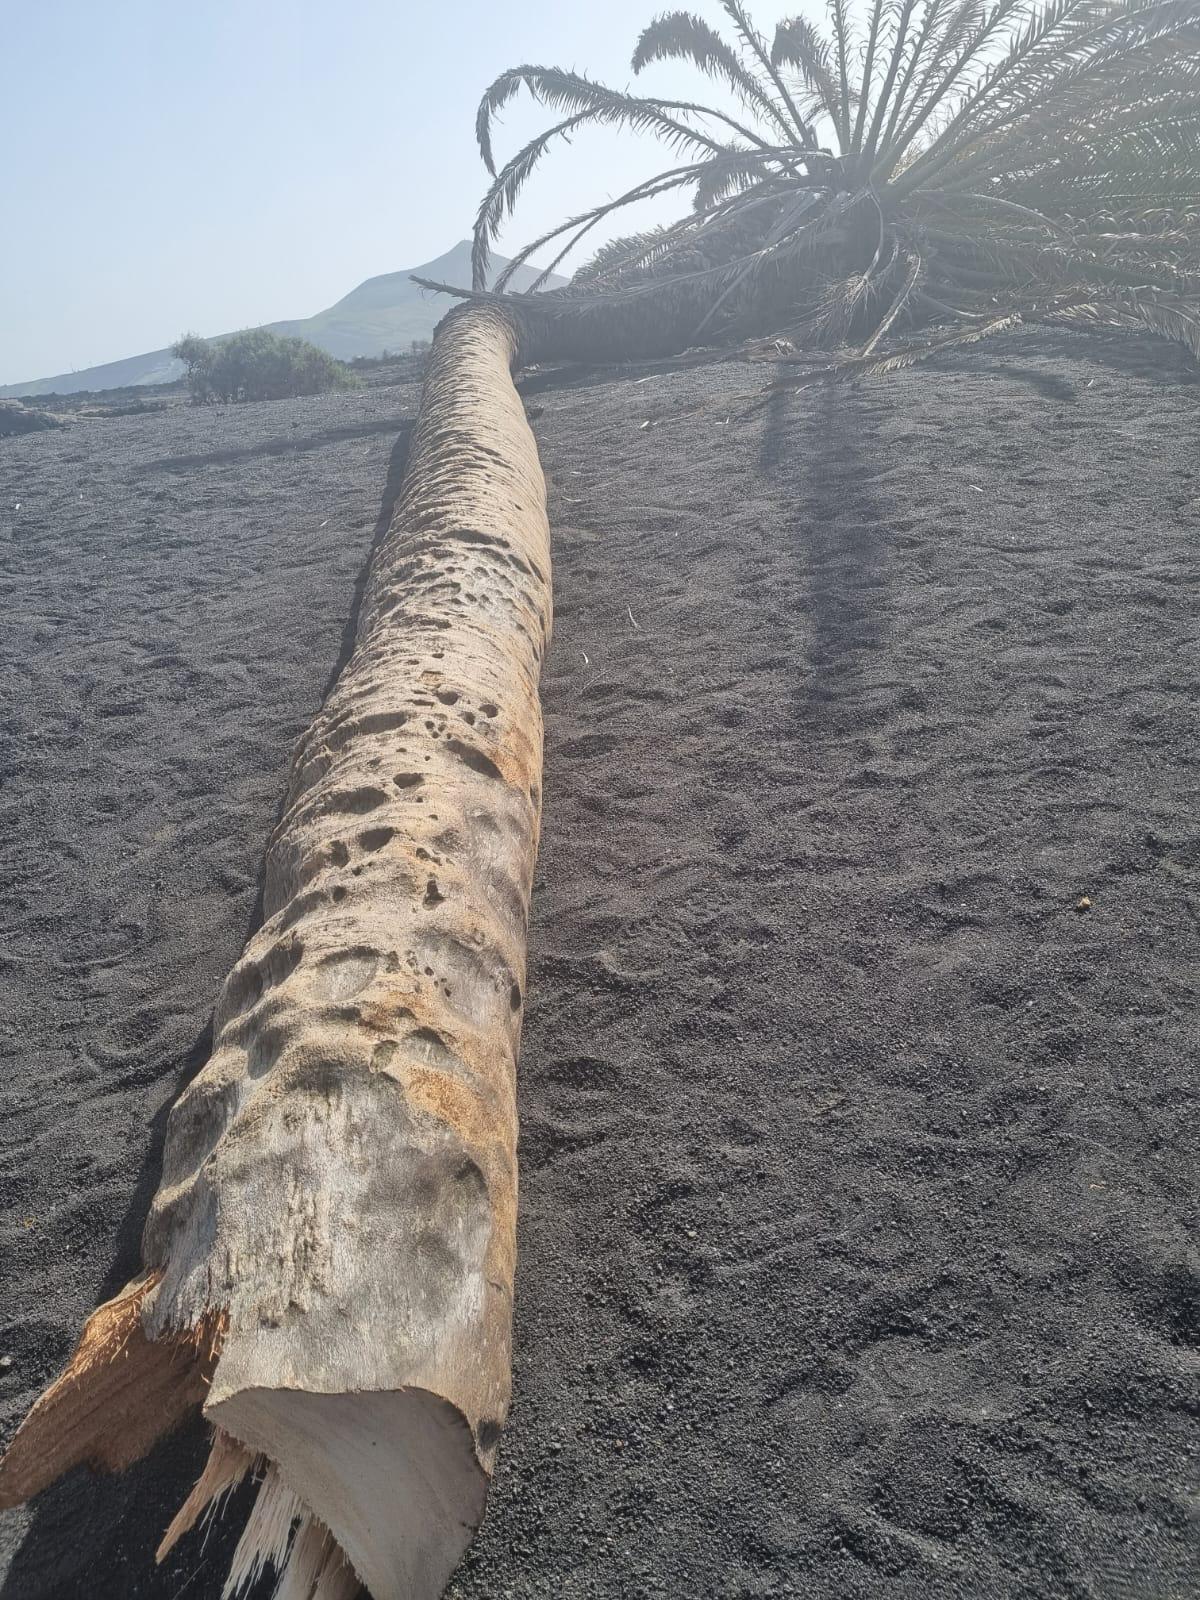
column 1048, row 384
column 812, row 446
column 92, row 1536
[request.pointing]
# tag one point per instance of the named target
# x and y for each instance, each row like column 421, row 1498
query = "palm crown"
column 966, row 162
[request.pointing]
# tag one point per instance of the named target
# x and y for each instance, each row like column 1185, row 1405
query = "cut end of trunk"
column 120, row 1393
column 378, row 1489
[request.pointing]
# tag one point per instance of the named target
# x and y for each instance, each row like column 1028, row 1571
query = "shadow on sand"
column 812, row 444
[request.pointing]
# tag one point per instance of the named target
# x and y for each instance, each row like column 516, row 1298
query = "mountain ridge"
column 386, row 312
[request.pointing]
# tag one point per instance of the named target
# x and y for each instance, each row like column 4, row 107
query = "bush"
column 414, row 358
column 257, row 365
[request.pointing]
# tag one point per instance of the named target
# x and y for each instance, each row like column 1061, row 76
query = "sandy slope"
column 858, row 1165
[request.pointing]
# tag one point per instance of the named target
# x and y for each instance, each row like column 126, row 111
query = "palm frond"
column 798, row 44
column 500, row 199
column 843, row 49
column 635, row 250
column 972, row 30
column 1064, row 42
column 682, row 36
column 874, row 19
column 907, row 355
column 677, row 178
column 1000, row 161
column 898, row 306
column 933, row 40
column 572, row 92
column 900, row 42
column 757, row 45
column 717, row 179
column 1173, row 319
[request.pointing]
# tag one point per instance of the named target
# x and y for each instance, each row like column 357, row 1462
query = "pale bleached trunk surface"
column 329, row 1258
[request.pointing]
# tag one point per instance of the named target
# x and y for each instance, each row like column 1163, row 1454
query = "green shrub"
column 257, row 365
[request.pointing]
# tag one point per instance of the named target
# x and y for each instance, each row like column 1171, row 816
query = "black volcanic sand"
column 858, row 1163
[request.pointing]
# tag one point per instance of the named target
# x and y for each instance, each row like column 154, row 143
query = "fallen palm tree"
column 328, row 1262
column 940, row 171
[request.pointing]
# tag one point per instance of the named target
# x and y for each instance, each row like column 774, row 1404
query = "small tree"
column 196, row 355
column 258, row 365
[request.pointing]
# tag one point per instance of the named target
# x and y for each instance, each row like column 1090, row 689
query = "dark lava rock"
column 18, row 418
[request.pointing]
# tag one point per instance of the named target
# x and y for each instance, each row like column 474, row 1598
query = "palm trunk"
column 329, row 1258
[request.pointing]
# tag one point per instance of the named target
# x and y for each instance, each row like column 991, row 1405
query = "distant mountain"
column 385, row 313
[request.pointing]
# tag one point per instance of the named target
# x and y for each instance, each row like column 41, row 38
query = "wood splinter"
column 329, row 1258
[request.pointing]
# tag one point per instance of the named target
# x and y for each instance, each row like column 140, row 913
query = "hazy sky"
column 213, row 164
